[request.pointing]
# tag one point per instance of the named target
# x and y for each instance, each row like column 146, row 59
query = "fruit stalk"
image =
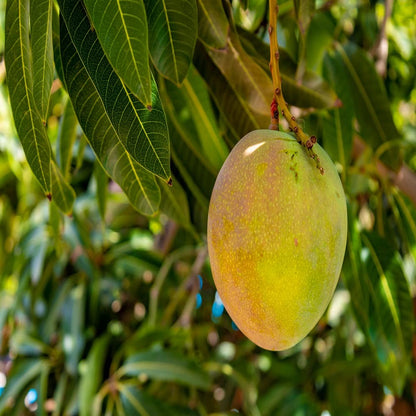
column 278, row 99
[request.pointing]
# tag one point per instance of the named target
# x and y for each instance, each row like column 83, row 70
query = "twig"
column 278, row 99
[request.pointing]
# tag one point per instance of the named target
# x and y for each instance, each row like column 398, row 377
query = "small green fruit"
column 277, row 232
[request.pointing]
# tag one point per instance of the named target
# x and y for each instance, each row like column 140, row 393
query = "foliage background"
column 98, row 288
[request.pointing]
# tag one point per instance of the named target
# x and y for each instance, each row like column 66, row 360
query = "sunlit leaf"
column 173, row 29
column 42, row 50
column 121, row 26
column 138, row 184
column 142, row 132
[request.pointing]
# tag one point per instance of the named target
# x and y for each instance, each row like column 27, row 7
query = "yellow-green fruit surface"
column 277, row 232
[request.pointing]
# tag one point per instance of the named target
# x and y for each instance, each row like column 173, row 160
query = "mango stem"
column 278, row 99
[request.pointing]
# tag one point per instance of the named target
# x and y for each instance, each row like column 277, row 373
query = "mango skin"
column 277, row 231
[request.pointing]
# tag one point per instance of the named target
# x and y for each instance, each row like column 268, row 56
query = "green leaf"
column 19, row 68
column 92, row 377
column 382, row 304
column 67, row 135
column 121, row 26
column 173, row 29
column 250, row 15
column 371, row 103
column 42, row 51
column 137, row 403
column 243, row 74
column 239, row 117
column 138, row 184
column 22, row 373
column 166, row 366
column 174, row 203
column 142, row 132
column 101, row 182
column 303, row 11
column 212, row 23
column 63, row 194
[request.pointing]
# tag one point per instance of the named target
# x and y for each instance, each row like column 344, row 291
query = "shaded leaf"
column 136, row 402
column 28, row 121
column 67, row 135
column 92, row 377
column 142, row 132
column 138, row 184
column 42, row 50
column 371, row 104
column 173, row 29
column 121, row 26
column 303, row 11
column 212, row 23
column 167, row 366
column 63, row 194
column 101, row 183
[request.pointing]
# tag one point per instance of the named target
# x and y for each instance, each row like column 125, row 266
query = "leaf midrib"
column 175, row 65
column 27, row 95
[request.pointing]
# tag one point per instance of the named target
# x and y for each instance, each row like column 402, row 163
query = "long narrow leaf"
column 121, row 26
column 212, row 23
column 41, row 38
column 142, row 132
column 173, row 29
column 138, row 184
column 28, row 121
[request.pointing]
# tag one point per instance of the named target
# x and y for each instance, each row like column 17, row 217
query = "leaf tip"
column 49, row 196
column 149, row 107
column 170, row 181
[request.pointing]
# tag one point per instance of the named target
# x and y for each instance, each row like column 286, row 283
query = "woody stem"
column 278, row 99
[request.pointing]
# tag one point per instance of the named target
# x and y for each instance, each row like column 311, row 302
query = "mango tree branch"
column 278, row 99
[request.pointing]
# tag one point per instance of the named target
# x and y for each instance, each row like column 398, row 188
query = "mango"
column 277, row 230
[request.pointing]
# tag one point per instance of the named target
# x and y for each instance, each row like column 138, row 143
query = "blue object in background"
column 234, row 326
column 217, row 308
column 1, row 390
column 31, row 396
column 198, row 300
column 200, row 282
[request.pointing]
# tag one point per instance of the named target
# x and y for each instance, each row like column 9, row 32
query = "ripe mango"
column 277, row 232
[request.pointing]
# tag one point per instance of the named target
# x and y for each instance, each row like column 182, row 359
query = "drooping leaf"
column 143, row 133
column 371, row 104
column 381, row 303
column 42, row 50
column 212, row 23
column 138, row 184
column 244, row 75
column 173, row 29
column 67, row 135
column 121, row 26
column 19, row 67
column 250, row 15
column 63, row 193
column 137, row 403
column 304, row 10
column 239, row 117
column 92, row 377
column 166, row 366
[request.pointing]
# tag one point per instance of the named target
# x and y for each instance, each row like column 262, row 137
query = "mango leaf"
column 19, row 68
column 173, row 29
column 138, row 184
column 137, row 403
column 212, row 23
column 239, row 117
column 166, row 366
column 192, row 106
column 101, row 186
column 310, row 91
column 42, row 50
column 382, row 304
column 92, row 377
column 250, row 15
column 303, row 12
column 244, row 75
column 142, row 132
column 174, row 203
column 21, row 374
column 338, row 126
column 121, row 26
column 371, row 103
column 67, row 135
column 63, row 194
